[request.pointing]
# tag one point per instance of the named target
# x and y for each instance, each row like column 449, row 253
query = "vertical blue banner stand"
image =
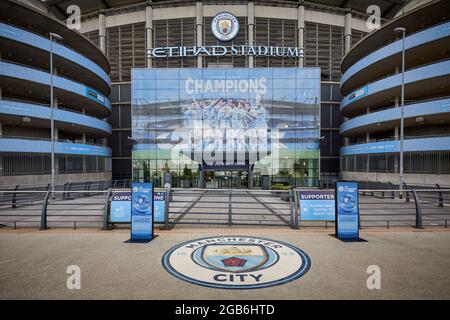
column 347, row 210
column 142, row 211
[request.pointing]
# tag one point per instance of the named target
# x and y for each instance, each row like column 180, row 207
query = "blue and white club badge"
column 235, row 262
column 225, row 26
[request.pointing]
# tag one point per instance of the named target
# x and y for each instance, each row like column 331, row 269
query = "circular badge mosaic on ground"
column 236, row 262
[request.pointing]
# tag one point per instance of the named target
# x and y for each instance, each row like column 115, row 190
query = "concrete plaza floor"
column 414, row 265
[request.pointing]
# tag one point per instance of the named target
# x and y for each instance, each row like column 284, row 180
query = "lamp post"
column 402, row 31
column 52, row 122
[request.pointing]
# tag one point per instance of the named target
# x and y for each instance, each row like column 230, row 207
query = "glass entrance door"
column 226, row 179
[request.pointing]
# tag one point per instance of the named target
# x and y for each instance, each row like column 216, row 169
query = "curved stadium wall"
column 81, row 86
column 371, row 86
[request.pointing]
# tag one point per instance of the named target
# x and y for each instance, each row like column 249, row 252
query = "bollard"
column 392, row 190
column 44, row 212
column 68, row 190
column 230, row 219
column 88, row 186
column 405, row 187
column 440, row 198
column 418, row 210
column 166, row 211
column 14, row 198
column 64, row 189
column 105, row 211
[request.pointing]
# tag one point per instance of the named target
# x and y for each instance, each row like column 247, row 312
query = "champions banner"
column 262, row 119
column 141, row 211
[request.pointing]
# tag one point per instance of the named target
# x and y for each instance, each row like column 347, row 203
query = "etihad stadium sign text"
column 216, row 51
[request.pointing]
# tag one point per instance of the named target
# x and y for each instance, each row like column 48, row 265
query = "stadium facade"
column 81, row 86
column 140, row 35
column 371, row 86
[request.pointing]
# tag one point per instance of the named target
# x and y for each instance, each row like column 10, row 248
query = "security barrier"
column 230, row 207
column 87, row 205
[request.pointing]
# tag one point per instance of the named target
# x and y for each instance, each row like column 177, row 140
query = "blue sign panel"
column 347, row 210
column 121, row 207
column 159, row 199
column 317, row 205
column 142, row 211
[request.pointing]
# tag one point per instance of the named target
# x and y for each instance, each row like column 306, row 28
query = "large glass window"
column 265, row 120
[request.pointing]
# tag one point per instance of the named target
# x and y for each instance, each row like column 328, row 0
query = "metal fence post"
column 68, row 190
column 14, row 198
column 407, row 192
column 105, row 210
column 166, row 211
column 44, row 212
column 296, row 208
column 230, row 219
column 64, row 189
column 392, row 190
column 418, row 210
column 291, row 211
column 440, row 198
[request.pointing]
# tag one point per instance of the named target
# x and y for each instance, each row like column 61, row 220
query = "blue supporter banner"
column 317, row 205
column 347, row 210
column 141, row 211
column 121, row 207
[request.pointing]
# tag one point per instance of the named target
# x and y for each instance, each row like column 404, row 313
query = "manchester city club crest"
column 235, row 262
column 225, row 26
column 233, row 258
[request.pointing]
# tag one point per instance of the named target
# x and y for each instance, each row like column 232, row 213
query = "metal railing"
column 45, row 209
column 18, row 195
column 418, row 208
column 228, row 207
column 87, row 205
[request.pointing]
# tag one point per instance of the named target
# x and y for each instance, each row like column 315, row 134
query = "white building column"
column 348, row 31
column 102, row 37
column 250, row 25
column 347, row 47
column 102, row 31
column 199, row 26
column 148, row 33
column 301, row 31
